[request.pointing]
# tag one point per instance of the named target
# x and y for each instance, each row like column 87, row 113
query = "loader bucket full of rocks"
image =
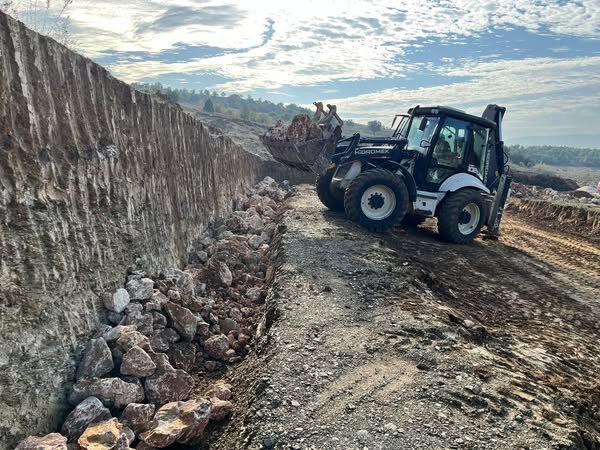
column 306, row 143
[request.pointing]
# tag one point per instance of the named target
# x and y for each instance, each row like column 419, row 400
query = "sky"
column 373, row 59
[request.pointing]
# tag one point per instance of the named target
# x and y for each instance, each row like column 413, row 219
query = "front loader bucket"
column 304, row 144
column 313, row 155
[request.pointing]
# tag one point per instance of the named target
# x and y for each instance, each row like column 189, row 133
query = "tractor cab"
column 446, row 142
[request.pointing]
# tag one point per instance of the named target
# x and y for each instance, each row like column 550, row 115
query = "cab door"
column 460, row 147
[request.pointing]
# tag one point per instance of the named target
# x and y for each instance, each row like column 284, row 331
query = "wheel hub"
column 464, row 217
column 376, row 200
column 468, row 219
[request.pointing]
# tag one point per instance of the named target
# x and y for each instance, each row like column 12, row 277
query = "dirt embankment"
column 543, row 179
column 403, row 341
column 582, row 219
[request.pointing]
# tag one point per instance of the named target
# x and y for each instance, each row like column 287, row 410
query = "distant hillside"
column 554, row 156
column 249, row 109
column 261, row 111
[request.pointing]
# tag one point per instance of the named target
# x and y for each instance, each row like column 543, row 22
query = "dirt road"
column 403, row 341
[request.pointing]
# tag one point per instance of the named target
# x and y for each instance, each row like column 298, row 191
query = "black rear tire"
column 332, row 198
column 461, row 216
column 377, row 199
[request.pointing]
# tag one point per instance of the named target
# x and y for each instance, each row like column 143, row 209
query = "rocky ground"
column 403, row 341
column 293, row 328
column 152, row 377
column 585, row 196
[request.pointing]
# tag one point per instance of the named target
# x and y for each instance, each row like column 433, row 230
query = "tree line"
column 248, row 108
column 234, row 105
column 554, row 156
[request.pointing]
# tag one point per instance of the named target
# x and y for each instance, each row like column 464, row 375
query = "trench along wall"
column 93, row 176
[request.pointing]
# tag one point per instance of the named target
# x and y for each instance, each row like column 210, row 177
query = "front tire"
column 332, row 198
column 377, row 199
column 461, row 216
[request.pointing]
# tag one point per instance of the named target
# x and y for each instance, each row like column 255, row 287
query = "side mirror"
column 425, row 143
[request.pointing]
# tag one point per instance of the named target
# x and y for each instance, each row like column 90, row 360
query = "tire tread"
column 451, row 208
column 357, row 187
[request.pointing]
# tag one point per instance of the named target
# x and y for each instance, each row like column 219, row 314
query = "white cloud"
column 312, row 41
column 274, row 44
column 543, row 95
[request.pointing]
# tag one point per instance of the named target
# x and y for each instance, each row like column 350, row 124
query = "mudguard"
column 462, row 180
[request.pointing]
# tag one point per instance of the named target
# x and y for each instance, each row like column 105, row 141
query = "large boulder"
column 143, row 321
column 106, row 435
column 185, row 284
column 216, row 346
column 183, row 356
column 89, row 411
column 136, row 362
column 162, row 340
column 141, row 289
column 228, row 325
column 53, row 441
column 220, row 390
column 182, row 319
column 159, row 321
column 157, row 302
column 138, row 416
column 254, row 223
column 112, row 334
column 129, row 338
column 118, row 301
column 168, row 385
column 97, row 360
column 219, row 409
column 181, row 422
column 112, row 392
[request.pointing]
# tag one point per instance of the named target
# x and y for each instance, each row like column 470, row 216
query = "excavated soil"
column 399, row 340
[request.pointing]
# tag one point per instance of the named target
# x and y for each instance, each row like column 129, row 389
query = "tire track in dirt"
column 537, row 293
column 488, row 345
column 578, row 258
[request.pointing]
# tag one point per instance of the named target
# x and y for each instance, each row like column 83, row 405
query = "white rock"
column 140, row 289
column 118, row 301
column 390, row 427
column 225, row 274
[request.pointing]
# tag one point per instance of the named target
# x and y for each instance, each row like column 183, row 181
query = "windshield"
column 401, row 127
column 421, row 131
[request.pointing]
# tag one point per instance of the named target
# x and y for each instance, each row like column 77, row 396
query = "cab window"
column 478, row 158
column 460, row 146
column 422, row 130
column 452, row 143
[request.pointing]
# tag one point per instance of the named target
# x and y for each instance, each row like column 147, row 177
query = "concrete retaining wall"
column 93, row 175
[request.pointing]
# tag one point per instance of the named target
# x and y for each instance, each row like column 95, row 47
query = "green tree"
column 374, row 126
column 245, row 112
column 208, row 106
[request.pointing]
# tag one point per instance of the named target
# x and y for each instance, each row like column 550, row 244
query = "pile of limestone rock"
column 138, row 382
column 584, row 195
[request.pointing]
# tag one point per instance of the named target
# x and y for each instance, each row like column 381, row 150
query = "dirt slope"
column 245, row 132
column 402, row 341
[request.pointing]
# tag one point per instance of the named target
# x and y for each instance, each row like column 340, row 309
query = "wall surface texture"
column 93, row 175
